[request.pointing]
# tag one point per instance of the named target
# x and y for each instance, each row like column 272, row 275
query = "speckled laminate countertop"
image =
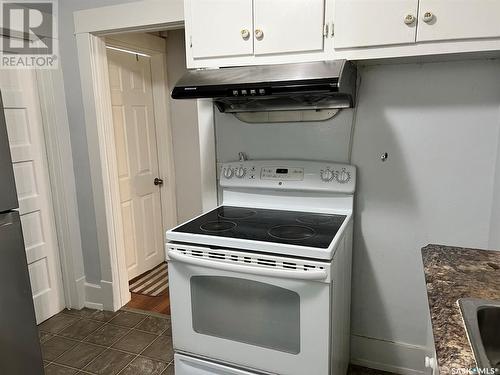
column 452, row 273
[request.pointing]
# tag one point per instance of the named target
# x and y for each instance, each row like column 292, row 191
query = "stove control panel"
column 289, row 175
column 282, row 173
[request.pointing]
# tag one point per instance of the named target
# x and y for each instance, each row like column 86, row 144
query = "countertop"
column 452, row 273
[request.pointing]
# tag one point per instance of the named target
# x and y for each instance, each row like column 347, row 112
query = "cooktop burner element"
column 217, row 226
column 275, row 226
column 236, row 213
column 315, row 219
column 291, row 232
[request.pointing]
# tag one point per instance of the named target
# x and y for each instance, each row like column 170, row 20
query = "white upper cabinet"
column 223, row 33
column 220, row 28
column 251, row 32
column 288, row 26
column 366, row 23
column 458, row 19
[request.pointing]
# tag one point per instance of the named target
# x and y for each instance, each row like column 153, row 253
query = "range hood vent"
column 312, row 86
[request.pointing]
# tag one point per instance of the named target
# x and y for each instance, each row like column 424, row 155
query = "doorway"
column 193, row 123
column 136, row 65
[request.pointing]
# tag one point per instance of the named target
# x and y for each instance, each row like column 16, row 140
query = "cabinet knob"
column 409, row 19
column 259, row 34
column 428, row 17
column 245, row 34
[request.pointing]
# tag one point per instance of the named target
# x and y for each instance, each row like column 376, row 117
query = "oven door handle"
column 260, row 271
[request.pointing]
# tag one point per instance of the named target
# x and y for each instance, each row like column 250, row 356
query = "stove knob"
column 228, row 172
column 326, row 175
column 240, row 172
column 343, row 176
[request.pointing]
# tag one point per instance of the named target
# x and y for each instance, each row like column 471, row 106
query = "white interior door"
column 365, row 23
column 458, row 19
column 217, row 25
column 291, row 26
column 137, row 160
column 25, row 129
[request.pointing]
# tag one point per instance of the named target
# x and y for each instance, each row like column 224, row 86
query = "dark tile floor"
column 105, row 343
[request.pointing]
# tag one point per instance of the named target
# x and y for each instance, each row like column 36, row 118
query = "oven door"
column 255, row 311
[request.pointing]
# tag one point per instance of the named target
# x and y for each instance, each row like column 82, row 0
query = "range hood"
column 285, row 87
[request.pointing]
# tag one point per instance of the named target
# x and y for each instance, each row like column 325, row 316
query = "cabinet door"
column 217, row 28
column 458, row 19
column 288, row 26
column 364, row 23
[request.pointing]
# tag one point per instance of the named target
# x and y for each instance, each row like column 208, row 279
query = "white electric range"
column 261, row 284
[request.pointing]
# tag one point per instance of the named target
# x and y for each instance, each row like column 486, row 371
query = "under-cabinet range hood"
column 284, row 87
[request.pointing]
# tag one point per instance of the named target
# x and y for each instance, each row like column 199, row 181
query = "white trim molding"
column 396, row 357
column 104, row 174
column 93, row 296
column 208, row 163
column 60, row 162
column 137, row 16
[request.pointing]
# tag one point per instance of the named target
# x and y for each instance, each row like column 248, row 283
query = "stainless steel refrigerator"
column 20, row 351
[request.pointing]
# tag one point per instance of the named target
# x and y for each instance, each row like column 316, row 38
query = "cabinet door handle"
column 428, row 17
column 409, row 19
column 259, row 34
column 245, row 34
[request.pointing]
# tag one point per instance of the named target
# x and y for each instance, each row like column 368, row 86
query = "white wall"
column 494, row 242
column 323, row 140
column 184, row 118
column 439, row 123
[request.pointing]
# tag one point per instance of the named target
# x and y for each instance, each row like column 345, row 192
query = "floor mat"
column 152, row 283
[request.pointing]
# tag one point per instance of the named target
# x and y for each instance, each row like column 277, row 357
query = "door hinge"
column 190, row 41
column 325, row 30
column 331, row 31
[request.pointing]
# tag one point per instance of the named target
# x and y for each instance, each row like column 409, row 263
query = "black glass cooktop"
column 287, row 227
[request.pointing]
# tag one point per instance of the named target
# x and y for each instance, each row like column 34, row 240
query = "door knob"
column 158, row 181
column 428, row 17
column 259, row 34
column 245, row 34
column 409, row 19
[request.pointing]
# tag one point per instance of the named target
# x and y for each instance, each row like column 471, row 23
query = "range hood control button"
column 235, row 92
column 243, row 92
column 262, row 91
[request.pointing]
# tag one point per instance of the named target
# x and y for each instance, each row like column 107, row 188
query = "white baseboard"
column 396, row 357
column 107, row 296
column 80, row 288
column 93, row 296
column 99, row 296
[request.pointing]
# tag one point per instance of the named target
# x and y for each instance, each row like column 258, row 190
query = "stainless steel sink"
column 482, row 321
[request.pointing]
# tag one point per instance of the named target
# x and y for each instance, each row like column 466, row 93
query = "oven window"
column 246, row 311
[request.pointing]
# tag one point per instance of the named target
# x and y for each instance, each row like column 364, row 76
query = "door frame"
column 55, row 127
column 156, row 48
column 91, row 27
